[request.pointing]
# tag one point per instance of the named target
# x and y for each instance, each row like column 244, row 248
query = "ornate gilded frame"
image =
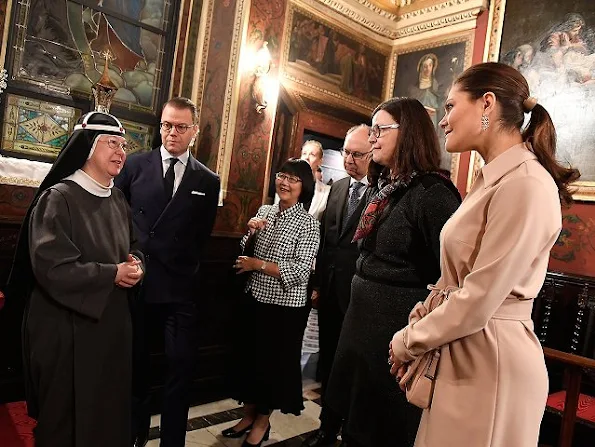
column 466, row 37
column 232, row 93
column 584, row 190
column 292, row 80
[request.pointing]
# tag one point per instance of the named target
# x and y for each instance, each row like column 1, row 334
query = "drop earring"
column 485, row 122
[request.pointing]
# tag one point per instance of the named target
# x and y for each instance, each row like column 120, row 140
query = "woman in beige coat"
column 492, row 384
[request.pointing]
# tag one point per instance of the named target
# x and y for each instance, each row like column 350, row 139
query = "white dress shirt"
column 179, row 167
column 318, row 205
column 362, row 191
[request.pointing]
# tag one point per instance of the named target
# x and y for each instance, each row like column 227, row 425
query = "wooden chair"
column 574, row 366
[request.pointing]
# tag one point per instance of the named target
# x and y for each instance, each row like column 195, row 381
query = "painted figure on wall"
column 319, row 50
column 556, row 53
column 426, row 90
column 425, row 73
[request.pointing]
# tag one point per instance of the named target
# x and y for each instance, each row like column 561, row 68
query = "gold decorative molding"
column 494, row 32
column 361, row 17
column 442, row 22
column 434, row 9
column 299, row 95
column 375, row 6
column 5, row 32
column 392, row 74
column 475, row 164
column 413, row 21
column 18, row 181
column 232, row 92
column 201, row 57
column 330, row 97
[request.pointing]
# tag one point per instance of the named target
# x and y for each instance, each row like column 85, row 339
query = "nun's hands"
column 129, row 273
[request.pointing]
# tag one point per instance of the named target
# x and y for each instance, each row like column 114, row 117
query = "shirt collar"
column 506, row 162
column 364, row 180
column 89, row 184
column 289, row 211
column 166, row 155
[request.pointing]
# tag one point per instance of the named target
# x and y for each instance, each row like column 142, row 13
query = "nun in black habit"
column 76, row 269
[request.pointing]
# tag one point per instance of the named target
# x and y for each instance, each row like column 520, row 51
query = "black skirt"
column 361, row 388
column 268, row 349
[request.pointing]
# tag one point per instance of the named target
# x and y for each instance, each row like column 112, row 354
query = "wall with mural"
column 214, row 88
column 253, row 131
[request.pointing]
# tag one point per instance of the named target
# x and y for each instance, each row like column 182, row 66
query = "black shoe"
column 320, row 439
column 231, row 433
column 140, row 441
column 264, row 438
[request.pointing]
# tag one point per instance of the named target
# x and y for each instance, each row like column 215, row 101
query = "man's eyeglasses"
column 116, row 144
column 377, row 129
column 290, row 178
column 356, row 155
column 180, row 128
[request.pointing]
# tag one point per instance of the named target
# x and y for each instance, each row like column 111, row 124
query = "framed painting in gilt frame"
column 555, row 51
column 323, row 56
column 425, row 71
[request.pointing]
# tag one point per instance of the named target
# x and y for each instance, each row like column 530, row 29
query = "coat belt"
column 514, row 309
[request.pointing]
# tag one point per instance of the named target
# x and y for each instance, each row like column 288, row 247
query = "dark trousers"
column 330, row 321
column 170, row 328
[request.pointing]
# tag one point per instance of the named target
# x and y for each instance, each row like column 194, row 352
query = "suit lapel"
column 156, row 172
column 191, row 179
column 342, row 200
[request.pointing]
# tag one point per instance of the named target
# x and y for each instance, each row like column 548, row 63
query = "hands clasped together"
column 245, row 263
column 129, row 272
column 397, row 367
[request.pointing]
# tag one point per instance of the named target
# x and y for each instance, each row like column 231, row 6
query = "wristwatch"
column 263, row 266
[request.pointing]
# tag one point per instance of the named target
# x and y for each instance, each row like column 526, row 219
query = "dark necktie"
column 352, row 202
column 169, row 179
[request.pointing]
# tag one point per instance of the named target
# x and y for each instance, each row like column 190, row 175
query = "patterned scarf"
column 377, row 205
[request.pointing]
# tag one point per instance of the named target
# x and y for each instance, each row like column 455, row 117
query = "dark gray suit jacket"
column 335, row 264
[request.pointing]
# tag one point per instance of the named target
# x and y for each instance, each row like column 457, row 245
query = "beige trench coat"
column 492, row 383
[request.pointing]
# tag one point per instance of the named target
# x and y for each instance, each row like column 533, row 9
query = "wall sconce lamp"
column 261, row 67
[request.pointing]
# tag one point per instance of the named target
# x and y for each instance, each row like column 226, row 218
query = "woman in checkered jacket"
column 274, row 313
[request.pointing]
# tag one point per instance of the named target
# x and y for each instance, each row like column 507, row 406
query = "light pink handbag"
column 419, row 379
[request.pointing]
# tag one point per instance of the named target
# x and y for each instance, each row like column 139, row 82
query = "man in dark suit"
column 335, row 266
column 173, row 199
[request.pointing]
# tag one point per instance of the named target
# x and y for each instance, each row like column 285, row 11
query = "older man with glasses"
column 335, row 266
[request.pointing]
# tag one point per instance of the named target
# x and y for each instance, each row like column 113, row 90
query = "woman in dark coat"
column 75, row 268
column 400, row 251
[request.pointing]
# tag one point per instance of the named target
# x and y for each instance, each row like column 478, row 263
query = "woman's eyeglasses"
column 356, row 155
column 377, row 129
column 116, row 144
column 290, row 178
column 180, row 128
